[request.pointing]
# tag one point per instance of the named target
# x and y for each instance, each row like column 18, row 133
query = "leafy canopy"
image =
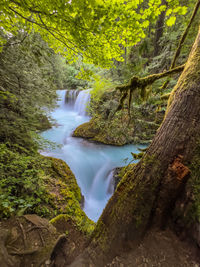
column 95, row 29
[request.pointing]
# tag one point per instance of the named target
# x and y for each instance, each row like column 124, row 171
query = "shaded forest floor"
column 159, row 248
column 37, row 238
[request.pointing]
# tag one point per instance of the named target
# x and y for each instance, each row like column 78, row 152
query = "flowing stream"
column 91, row 163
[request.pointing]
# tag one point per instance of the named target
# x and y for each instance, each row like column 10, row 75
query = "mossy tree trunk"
column 147, row 193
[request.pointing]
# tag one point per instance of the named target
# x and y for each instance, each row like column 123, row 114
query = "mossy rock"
column 60, row 170
column 86, row 130
column 76, row 234
column 106, row 132
column 65, row 195
column 120, row 128
column 61, row 187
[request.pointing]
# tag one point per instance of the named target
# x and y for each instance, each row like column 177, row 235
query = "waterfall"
column 61, row 98
column 99, row 185
column 79, row 100
column 70, row 96
column 110, row 183
column 82, row 102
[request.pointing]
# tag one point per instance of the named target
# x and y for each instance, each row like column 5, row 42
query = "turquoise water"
column 91, row 163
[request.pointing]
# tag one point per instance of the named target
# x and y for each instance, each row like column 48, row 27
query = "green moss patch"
column 66, row 196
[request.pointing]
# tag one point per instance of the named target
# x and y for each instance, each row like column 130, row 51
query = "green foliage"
column 79, row 219
column 171, row 21
column 99, row 86
column 27, row 84
column 76, row 77
column 21, row 184
column 95, row 29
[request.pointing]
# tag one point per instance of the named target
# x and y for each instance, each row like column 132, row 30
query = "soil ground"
column 159, row 249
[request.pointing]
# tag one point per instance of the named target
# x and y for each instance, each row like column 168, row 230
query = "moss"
column 123, row 128
column 119, row 173
column 60, row 175
column 78, row 218
column 101, row 235
column 86, row 130
column 192, row 212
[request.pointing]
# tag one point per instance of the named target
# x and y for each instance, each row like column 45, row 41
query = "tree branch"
column 50, row 30
column 137, row 82
column 53, row 34
column 15, row 43
column 141, row 84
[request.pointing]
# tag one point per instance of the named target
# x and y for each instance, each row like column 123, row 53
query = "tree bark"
column 159, row 31
column 147, row 193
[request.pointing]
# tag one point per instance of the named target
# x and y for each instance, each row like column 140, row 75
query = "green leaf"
column 171, row 21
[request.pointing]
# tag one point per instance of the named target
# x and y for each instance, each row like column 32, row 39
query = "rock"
column 87, row 130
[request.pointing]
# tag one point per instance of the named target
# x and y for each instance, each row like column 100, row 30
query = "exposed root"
column 23, row 233
column 22, row 253
column 37, row 227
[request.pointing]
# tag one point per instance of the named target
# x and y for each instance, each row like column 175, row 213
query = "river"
column 91, row 163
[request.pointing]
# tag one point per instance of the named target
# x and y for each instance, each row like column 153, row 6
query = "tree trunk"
column 159, row 31
column 148, row 192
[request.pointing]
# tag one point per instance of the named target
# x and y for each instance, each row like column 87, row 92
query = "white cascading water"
column 70, row 96
column 61, row 100
column 82, row 101
column 91, row 163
